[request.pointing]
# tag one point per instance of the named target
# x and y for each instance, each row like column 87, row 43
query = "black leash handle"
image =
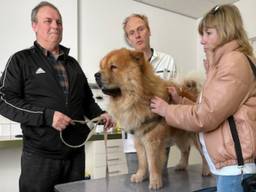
column 235, row 137
column 233, row 129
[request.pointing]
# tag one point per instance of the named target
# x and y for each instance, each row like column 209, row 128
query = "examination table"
column 174, row 181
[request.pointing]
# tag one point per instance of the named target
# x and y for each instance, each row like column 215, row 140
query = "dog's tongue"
column 112, row 92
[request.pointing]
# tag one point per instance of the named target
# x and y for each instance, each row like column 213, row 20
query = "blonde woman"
column 229, row 89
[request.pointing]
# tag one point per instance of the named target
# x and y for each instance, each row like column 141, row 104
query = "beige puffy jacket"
column 230, row 89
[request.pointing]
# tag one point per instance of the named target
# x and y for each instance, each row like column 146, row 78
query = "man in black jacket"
column 44, row 89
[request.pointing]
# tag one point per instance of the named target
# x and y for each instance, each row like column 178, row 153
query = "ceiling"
column 189, row 8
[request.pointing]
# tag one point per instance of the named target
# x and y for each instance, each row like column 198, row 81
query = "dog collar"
column 146, row 122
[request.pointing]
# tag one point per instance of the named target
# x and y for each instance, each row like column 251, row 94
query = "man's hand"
column 60, row 121
column 108, row 123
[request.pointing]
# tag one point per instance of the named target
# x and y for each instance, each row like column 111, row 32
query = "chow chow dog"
column 130, row 82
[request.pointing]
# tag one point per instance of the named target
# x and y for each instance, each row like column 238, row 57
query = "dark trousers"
column 39, row 174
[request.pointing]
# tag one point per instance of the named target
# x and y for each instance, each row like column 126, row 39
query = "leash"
column 92, row 124
column 106, row 152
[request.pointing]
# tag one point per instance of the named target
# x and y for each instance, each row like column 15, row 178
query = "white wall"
column 101, row 32
column 16, row 31
column 247, row 9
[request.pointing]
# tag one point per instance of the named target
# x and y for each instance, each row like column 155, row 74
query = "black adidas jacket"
column 30, row 93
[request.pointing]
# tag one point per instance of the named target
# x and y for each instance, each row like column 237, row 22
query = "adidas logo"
column 39, row 71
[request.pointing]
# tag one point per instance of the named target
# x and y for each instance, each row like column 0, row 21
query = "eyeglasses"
column 215, row 9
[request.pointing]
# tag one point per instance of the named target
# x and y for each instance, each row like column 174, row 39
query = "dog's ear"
column 142, row 62
column 137, row 56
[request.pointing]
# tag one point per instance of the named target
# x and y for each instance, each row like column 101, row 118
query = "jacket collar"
column 154, row 55
column 63, row 49
column 226, row 48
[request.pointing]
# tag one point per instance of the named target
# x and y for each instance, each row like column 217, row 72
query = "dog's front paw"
column 137, row 178
column 155, row 183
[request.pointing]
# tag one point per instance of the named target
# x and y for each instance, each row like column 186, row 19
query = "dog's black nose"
column 98, row 78
column 97, row 75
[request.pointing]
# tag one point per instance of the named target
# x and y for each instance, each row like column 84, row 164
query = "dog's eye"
column 112, row 67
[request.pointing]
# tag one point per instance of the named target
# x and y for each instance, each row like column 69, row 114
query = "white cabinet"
column 96, row 158
column 9, row 129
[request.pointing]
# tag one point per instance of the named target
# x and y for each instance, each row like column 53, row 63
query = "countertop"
column 176, row 181
column 100, row 136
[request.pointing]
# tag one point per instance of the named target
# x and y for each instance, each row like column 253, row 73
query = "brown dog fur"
column 130, row 81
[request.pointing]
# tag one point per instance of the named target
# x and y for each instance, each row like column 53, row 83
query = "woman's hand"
column 206, row 66
column 209, row 60
column 158, row 106
column 176, row 98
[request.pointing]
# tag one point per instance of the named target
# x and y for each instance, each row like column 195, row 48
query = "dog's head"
column 120, row 71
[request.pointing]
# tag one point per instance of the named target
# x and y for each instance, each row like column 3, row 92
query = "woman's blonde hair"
column 227, row 20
